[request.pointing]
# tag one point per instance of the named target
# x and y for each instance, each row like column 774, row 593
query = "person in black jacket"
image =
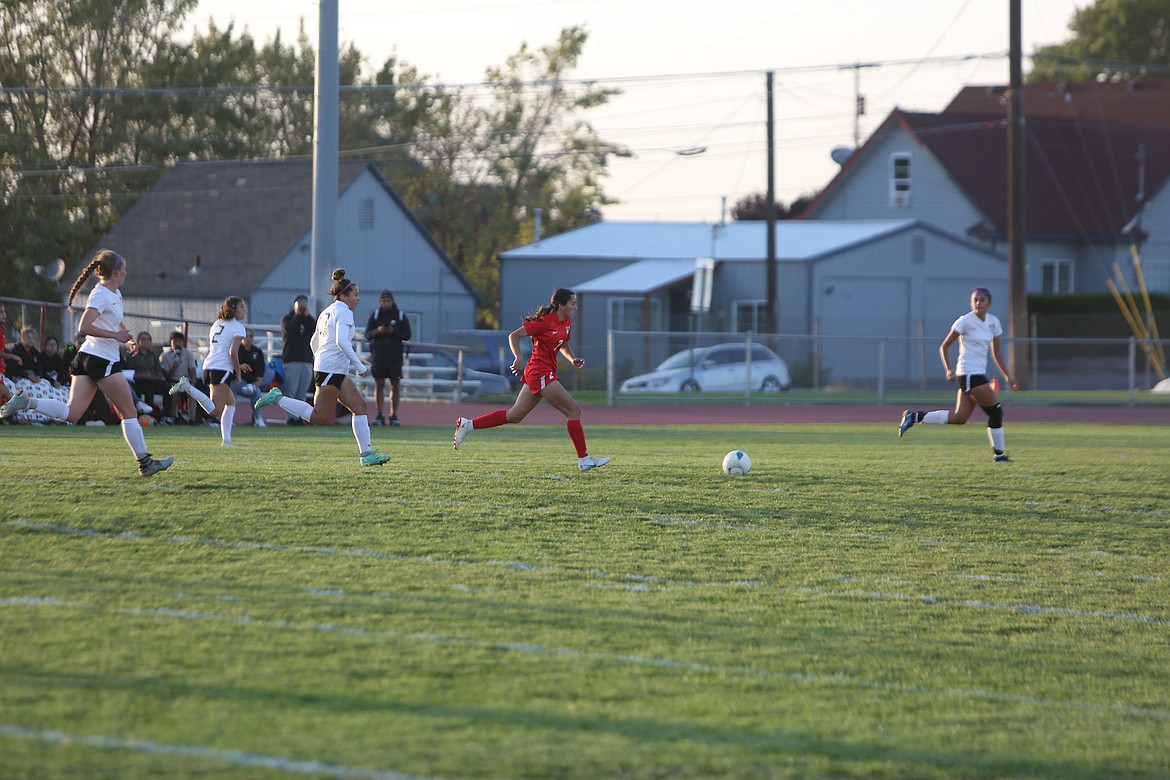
column 296, row 354
column 386, row 331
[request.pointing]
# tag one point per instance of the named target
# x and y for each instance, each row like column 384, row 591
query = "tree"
column 1117, row 35
column 753, row 207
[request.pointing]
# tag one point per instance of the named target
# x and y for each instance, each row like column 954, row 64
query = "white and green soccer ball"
column 737, row 463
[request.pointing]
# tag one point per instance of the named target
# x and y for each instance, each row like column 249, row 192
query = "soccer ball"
column 737, row 463
column 145, row 420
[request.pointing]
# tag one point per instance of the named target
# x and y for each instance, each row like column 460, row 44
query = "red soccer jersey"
column 549, row 333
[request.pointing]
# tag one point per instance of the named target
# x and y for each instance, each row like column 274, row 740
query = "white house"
column 208, row 230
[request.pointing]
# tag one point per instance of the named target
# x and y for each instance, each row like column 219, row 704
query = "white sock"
column 200, row 398
column 295, row 407
column 361, row 431
column 226, row 417
column 132, row 433
column 995, row 436
column 938, row 417
column 50, row 407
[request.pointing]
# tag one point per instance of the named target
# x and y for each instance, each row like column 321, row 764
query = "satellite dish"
column 841, row 154
column 53, row 272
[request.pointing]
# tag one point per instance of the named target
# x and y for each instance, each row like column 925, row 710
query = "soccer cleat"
column 590, row 462
column 379, row 420
column 394, row 420
column 182, row 386
column 18, row 402
column 258, row 421
column 1002, row 457
column 144, row 408
column 907, row 422
column 269, row 398
column 228, row 443
column 463, row 426
column 148, row 466
column 372, row 458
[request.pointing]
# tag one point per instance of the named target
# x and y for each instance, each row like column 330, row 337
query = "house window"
column 1056, row 277
column 627, row 314
column 749, row 315
column 900, row 180
column 366, row 213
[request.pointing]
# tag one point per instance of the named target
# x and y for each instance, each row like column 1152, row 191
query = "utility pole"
column 770, row 211
column 858, row 98
column 325, row 153
column 1017, row 230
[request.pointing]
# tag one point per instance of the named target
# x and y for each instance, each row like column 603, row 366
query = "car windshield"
column 684, row 359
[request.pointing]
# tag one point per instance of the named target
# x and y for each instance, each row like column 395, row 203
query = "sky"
column 692, row 74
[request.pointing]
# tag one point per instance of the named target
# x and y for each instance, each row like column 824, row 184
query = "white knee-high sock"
column 132, row 433
column 295, row 407
column 201, row 398
column 361, row 431
column 226, row 418
column 995, row 436
column 938, row 417
column 50, row 407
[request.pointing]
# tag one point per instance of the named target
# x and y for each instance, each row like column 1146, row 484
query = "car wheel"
column 771, row 385
column 689, row 386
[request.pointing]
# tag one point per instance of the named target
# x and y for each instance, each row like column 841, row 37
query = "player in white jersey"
column 221, row 367
column 333, row 357
column 978, row 335
column 96, row 365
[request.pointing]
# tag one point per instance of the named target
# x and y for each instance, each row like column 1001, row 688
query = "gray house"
column 212, row 229
column 844, row 282
column 1097, row 167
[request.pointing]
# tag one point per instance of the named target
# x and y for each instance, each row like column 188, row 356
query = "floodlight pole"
column 770, row 211
column 325, row 154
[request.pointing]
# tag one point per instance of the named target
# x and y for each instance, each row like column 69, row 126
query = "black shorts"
column 389, row 368
column 326, row 378
column 218, row 376
column 92, row 366
column 968, row 382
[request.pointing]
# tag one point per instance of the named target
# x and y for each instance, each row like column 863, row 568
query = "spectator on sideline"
column 549, row 330
column 96, row 365
column 53, row 363
column 176, row 363
column 296, row 353
column 255, row 373
column 29, row 364
column 333, row 357
column 5, row 355
column 148, row 378
column 978, row 334
column 221, row 367
column 386, row 332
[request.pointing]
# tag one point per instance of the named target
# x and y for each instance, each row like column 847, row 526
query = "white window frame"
column 758, row 315
column 901, row 180
column 620, row 307
column 1051, row 271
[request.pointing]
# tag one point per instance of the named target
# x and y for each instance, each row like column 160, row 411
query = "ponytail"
column 105, row 263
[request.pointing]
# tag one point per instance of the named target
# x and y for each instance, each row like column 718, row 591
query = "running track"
column 700, row 414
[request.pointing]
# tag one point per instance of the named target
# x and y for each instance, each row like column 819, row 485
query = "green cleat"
column 372, row 458
column 268, row 399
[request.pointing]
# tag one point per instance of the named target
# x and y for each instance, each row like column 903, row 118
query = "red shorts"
column 537, row 382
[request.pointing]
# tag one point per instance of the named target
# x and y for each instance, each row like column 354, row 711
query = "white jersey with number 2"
column 332, row 342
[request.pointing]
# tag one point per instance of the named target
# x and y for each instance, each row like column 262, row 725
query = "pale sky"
column 693, row 73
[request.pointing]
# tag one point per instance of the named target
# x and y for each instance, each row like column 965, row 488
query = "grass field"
column 858, row 606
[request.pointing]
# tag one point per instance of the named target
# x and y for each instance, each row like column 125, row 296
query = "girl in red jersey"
column 549, row 330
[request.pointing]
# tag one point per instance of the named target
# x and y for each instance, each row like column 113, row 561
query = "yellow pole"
column 1141, row 280
column 1136, row 327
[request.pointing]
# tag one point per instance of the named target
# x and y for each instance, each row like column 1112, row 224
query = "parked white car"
column 722, row 367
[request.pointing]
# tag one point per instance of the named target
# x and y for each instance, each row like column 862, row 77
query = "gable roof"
column 1082, row 177
column 1140, row 101
column 239, row 217
column 738, row 240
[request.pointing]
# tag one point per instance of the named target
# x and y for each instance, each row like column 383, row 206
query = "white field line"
column 233, row 757
column 717, row 670
column 642, row 579
column 644, row 582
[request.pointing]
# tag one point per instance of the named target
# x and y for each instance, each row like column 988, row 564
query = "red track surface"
column 697, row 414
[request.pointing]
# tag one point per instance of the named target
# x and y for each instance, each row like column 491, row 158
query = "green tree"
column 1113, row 33
column 753, row 207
